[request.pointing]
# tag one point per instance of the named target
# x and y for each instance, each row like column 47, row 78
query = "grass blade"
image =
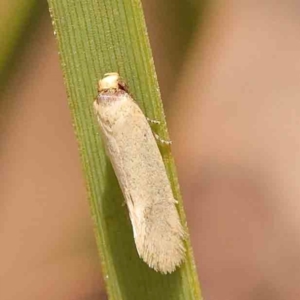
column 96, row 37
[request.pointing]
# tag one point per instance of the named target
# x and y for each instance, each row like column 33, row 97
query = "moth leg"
column 162, row 141
column 157, row 137
column 153, row 121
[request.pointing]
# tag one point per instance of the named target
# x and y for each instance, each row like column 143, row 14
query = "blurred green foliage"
column 18, row 19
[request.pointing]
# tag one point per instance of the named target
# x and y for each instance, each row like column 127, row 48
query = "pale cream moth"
column 137, row 162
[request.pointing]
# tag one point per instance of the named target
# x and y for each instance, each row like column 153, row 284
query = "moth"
column 138, row 164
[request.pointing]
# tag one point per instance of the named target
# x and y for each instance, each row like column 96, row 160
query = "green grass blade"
column 96, row 37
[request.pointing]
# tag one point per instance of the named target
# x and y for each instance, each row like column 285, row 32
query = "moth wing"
column 158, row 232
column 141, row 173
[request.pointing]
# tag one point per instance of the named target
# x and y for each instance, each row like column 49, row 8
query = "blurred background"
column 229, row 75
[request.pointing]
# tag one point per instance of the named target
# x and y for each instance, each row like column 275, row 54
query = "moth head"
column 111, row 81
